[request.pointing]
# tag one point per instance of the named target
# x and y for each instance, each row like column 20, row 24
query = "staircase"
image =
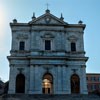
column 49, row 97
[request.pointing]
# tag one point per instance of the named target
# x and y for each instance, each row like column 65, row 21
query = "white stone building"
column 47, row 56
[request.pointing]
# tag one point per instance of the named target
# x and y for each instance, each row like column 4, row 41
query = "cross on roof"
column 47, row 5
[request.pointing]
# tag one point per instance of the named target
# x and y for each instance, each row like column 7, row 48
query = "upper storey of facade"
column 47, row 35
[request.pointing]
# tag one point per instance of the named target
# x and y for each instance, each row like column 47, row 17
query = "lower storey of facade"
column 47, row 79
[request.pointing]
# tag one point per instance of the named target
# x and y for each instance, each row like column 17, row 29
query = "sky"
column 73, row 10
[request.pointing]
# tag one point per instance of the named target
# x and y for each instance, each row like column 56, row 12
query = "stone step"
column 49, row 97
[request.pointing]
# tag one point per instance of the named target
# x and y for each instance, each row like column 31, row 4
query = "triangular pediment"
column 49, row 19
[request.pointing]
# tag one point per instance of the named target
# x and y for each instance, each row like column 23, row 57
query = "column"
column 68, row 76
column 37, row 80
column 31, row 87
column 55, row 79
column 59, row 80
column 64, row 85
column 65, row 78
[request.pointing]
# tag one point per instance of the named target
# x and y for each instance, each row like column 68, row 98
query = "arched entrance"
column 20, row 83
column 47, row 84
column 75, row 84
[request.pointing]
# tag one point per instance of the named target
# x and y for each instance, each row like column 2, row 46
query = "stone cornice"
column 22, row 36
column 19, row 24
column 19, row 51
column 67, row 58
column 46, row 30
column 65, row 26
column 75, row 26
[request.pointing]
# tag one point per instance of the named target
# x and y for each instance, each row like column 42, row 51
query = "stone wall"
column 50, row 97
column 60, row 61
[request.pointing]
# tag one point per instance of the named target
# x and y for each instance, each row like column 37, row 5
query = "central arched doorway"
column 75, row 84
column 47, row 84
column 20, row 83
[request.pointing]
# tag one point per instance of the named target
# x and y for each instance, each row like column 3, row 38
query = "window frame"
column 22, row 45
column 46, row 46
column 73, row 46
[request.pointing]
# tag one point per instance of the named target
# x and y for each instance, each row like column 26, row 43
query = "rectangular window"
column 99, row 78
column 92, row 78
column 21, row 45
column 47, row 45
column 93, row 87
column 87, row 78
column 73, row 46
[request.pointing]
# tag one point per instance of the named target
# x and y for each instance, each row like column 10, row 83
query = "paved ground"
column 49, row 97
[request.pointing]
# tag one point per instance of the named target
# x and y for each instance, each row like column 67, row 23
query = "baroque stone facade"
column 47, row 56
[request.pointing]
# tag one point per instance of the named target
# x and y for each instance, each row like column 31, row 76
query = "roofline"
column 43, row 15
column 66, row 26
column 77, row 25
column 92, row 73
column 19, row 24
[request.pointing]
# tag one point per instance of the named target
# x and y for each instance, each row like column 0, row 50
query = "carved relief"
column 22, row 36
column 20, row 70
column 72, row 38
column 74, row 71
column 47, row 20
column 47, row 67
column 47, row 35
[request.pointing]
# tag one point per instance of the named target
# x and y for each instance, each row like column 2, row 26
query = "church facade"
column 47, row 56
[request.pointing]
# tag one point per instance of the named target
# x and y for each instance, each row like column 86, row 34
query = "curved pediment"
column 72, row 38
column 47, row 35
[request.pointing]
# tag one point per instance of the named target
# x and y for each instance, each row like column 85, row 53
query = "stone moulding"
column 22, row 36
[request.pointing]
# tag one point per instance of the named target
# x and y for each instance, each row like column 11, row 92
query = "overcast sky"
column 73, row 10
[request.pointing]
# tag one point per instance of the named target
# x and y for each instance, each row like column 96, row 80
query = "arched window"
column 73, row 46
column 21, row 45
column 75, row 84
column 20, row 83
column 47, row 84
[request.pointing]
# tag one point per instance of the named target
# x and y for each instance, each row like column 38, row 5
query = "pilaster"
column 59, row 79
column 37, row 80
column 65, row 85
column 83, row 81
column 12, row 80
column 31, row 87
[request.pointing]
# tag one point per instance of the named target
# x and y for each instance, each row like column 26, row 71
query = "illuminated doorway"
column 47, row 84
column 75, row 84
